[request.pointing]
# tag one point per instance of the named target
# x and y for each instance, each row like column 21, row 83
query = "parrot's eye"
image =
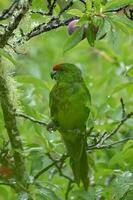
column 53, row 74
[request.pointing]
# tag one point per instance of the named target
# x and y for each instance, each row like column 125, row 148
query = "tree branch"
column 123, row 108
column 51, row 7
column 12, row 130
column 69, row 188
column 99, row 144
column 53, row 23
column 41, row 12
column 31, row 119
column 119, row 125
column 20, row 8
column 9, row 12
column 20, row 12
column 111, row 145
column 62, row 159
column 44, row 27
column 59, row 168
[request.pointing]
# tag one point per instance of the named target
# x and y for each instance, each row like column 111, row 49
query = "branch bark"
column 20, row 8
column 54, row 23
column 9, row 11
column 12, row 130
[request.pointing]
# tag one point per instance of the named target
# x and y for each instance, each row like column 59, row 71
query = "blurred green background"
column 108, row 72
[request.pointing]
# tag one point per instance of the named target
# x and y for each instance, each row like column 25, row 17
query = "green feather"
column 69, row 100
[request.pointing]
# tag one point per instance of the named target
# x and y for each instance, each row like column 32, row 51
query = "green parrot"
column 69, row 108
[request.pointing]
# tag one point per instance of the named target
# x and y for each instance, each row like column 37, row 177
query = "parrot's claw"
column 51, row 126
column 77, row 131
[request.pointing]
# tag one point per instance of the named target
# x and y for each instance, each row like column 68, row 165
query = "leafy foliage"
column 105, row 58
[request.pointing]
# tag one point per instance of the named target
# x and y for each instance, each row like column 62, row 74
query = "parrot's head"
column 66, row 72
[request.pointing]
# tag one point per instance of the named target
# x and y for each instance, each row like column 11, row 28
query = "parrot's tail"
column 80, row 169
column 78, row 160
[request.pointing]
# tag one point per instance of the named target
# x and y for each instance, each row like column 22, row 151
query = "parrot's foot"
column 79, row 132
column 51, row 126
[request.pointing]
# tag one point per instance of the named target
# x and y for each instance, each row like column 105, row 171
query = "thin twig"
column 121, row 141
column 123, row 108
column 105, row 136
column 65, row 8
column 41, row 12
column 59, row 168
column 69, row 188
column 129, row 115
column 44, row 170
column 110, row 145
column 99, row 143
column 54, row 163
column 31, row 119
column 51, row 7
column 49, row 3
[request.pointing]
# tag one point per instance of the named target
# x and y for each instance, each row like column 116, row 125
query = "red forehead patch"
column 57, row 67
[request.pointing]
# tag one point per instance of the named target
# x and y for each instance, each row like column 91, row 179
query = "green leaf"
column 104, row 27
column 129, row 194
column 4, row 192
column 74, row 39
column 122, row 184
column 127, row 155
column 91, row 36
column 128, row 145
column 93, row 193
column 117, row 159
column 83, row 195
column 122, row 22
column 123, row 86
column 88, row 5
column 46, row 194
column 130, row 71
column 7, row 56
column 117, row 4
column 75, row 12
column 32, row 80
column 97, row 5
column 23, row 196
column 83, row 20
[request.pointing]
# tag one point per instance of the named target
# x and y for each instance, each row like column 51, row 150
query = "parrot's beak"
column 53, row 74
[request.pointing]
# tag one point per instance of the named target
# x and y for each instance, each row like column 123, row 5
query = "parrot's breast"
column 68, row 106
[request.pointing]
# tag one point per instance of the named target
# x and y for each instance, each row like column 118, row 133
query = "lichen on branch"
column 8, row 104
column 17, row 11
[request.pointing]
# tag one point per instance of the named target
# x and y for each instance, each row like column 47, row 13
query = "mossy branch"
column 17, row 10
column 11, row 127
column 20, row 9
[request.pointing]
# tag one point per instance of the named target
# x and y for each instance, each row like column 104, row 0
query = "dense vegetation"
column 33, row 161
